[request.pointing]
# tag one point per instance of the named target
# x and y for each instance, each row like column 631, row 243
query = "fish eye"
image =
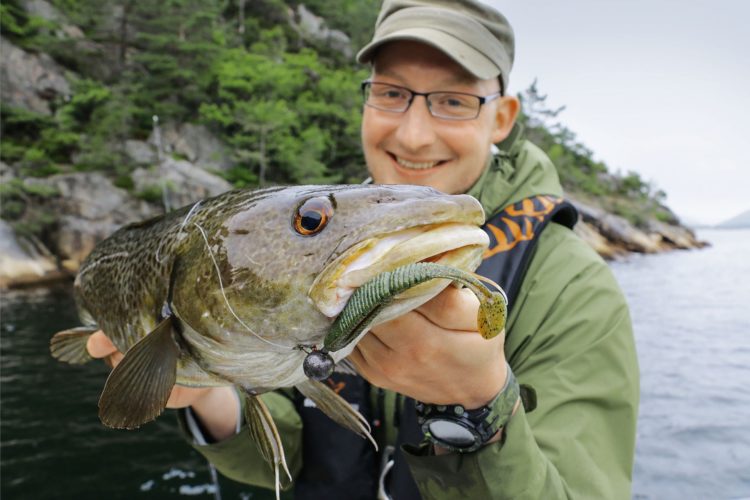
column 313, row 215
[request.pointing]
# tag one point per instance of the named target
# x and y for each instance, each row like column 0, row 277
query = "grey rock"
column 595, row 240
column 182, row 183
column 671, row 236
column 194, row 142
column 6, row 173
column 22, row 260
column 141, row 152
column 30, row 81
column 90, row 209
column 43, row 9
column 313, row 28
column 47, row 11
column 617, row 230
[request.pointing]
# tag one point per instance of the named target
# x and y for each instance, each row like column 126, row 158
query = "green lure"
column 373, row 296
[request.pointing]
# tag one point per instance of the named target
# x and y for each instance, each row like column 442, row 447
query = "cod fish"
column 246, row 289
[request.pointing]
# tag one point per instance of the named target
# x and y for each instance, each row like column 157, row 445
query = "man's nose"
column 416, row 130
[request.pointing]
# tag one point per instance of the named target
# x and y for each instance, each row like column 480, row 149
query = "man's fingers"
column 99, row 346
column 365, row 367
column 452, row 309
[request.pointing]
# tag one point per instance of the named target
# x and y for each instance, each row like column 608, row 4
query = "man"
column 435, row 105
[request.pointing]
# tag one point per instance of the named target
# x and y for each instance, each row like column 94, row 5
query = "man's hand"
column 435, row 353
column 215, row 406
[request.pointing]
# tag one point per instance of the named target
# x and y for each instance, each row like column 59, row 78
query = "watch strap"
column 483, row 422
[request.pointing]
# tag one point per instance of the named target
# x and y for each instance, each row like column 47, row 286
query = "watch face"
column 451, row 433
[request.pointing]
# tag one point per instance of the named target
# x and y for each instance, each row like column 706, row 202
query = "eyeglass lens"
column 449, row 105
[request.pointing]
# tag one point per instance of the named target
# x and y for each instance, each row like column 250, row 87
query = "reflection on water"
column 691, row 318
column 53, row 445
column 692, row 325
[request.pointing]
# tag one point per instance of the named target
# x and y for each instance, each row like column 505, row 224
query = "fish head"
column 270, row 270
column 396, row 226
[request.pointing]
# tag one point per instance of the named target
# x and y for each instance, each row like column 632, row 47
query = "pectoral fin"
column 138, row 388
column 336, row 407
column 69, row 346
column 266, row 436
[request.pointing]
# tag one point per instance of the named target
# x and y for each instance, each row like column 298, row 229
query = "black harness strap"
column 513, row 235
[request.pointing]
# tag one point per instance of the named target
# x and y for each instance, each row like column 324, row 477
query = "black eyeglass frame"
column 482, row 99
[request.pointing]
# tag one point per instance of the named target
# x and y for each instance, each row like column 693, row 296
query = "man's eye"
column 390, row 94
column 454, row 101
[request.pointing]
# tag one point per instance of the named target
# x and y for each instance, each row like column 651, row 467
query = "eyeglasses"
column 445, row 105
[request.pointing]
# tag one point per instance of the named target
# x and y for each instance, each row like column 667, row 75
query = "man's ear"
column 506, row 113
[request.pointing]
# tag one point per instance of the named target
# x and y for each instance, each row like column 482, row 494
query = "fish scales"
column 124, row 281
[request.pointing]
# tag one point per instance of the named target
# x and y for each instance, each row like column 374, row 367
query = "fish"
column 249, row 289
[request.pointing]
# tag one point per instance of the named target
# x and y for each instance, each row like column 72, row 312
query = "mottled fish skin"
column 236, row 275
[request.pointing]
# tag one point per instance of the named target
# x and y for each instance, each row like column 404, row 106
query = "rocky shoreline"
column 89, row 207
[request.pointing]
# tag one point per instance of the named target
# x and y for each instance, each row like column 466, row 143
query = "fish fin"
column 345, row 367
column 69, row 345
column 138, row 388
column 266, row 436
column 336, row 407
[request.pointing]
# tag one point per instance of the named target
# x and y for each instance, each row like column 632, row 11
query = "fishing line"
column 182, row 227
column 197, row 204
column 221, row 287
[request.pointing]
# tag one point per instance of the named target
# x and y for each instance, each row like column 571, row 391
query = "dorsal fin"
column 138, row 388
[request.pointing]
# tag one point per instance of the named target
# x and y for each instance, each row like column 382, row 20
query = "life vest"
column 337, row 464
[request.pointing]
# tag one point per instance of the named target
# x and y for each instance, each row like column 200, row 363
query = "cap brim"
column 467, row 56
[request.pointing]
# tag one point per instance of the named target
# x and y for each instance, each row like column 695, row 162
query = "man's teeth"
column 416, row 165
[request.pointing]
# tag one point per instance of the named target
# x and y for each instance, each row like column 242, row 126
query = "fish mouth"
column 452, row 244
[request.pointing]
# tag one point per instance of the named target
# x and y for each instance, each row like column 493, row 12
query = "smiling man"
column 444, row 402
column 440, row 139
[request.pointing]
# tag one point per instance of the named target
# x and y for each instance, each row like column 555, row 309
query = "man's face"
column 416, row 148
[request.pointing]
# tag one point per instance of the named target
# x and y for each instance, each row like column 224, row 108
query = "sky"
column 659, row 87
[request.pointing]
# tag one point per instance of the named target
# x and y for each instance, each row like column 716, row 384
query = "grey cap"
column 473, row 34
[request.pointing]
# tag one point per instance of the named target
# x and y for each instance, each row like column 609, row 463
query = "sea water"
column 691, row 316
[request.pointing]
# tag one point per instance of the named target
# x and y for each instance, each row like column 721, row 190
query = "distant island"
column 738, row 221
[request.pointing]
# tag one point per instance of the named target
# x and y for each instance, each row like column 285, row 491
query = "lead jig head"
column 318, row 365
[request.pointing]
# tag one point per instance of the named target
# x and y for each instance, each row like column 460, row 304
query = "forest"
column 286, row 103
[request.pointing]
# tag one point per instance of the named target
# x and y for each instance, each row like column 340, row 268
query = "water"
column 53, row 445
column 691, row 318
column 692, row 325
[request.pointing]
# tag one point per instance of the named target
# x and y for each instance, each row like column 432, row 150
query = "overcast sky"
column 661, row 87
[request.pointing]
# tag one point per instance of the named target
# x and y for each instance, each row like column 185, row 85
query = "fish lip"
column 332, row 288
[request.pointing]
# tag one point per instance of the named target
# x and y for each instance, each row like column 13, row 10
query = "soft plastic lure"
column 369, row 299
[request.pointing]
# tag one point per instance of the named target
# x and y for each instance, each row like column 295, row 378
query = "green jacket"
column 569, row 337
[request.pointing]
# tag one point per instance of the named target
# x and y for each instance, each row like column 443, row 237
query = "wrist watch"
column 460, row 430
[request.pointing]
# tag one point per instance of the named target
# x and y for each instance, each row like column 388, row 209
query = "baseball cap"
column 473, row 34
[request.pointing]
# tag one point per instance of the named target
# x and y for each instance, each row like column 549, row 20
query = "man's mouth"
column 414, row 165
